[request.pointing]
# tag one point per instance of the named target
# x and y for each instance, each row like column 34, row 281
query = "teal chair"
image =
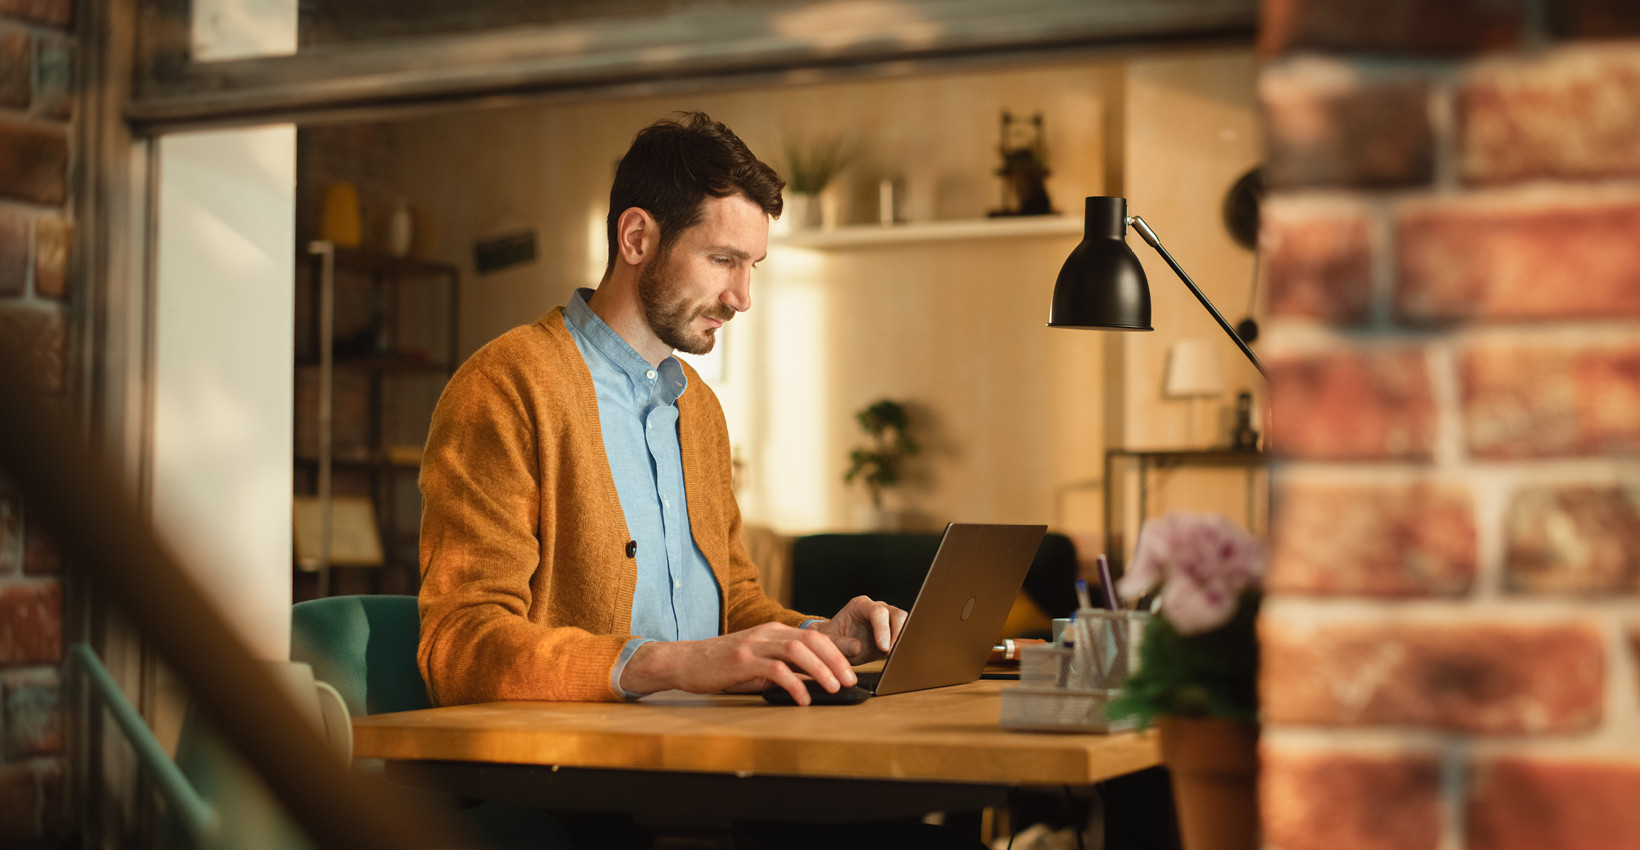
column 365, row 647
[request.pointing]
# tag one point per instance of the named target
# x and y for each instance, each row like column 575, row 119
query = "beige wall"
column 1009, row 411
column 1191, row 131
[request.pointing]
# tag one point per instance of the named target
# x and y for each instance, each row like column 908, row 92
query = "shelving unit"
column 1254, row 462
column 858, row 235
column 375, row 344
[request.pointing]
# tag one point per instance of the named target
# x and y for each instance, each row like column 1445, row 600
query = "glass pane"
column 329, row 22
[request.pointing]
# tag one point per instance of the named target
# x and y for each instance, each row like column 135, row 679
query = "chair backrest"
column 365, row 646
column 830, row 569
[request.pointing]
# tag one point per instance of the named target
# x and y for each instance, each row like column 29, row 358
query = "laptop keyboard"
column 869, row 679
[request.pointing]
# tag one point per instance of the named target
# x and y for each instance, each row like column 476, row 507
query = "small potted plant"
column 809, row 170
column 878, row 463
column 1198, row 670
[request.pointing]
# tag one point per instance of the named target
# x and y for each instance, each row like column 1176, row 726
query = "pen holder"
column 1065, row 688
column 1104, row 648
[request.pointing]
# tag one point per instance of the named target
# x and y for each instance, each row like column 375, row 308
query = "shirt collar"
column 582, row 320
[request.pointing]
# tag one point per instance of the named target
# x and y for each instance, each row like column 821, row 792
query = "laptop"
column 959, row 612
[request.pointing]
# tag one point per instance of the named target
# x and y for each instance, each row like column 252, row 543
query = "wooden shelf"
column 861, row 235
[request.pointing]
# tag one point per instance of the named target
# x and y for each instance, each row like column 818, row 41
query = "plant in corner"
column 809, row 170
column 878, row 463
column 1198, row 670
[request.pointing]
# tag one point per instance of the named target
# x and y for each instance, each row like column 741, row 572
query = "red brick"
column 1551, row 400
column 53, row 238
column 1390, row 26
column 1634, row 648
column 1577, row 538
column 1529, row 804
column 31, row 804
column 1572, row 114
column 1349, row 801
column 1585, row 19
column 31, row 622
column 1389, row 540
column 16, row 68
column 56, row 13
column 11, row 532
column 1331, row 126
column 14, row 254
column 54, row 77
column 1318, row 262
column 1479, row 261
column 40, row 335
column 33, row 722
column 1367, row 404
column 41, row 555
column 33, row 163
column 1479, row 678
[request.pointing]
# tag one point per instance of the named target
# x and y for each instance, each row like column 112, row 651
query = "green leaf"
column 1214, row 674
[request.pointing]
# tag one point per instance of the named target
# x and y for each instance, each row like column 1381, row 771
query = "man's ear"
column 637, row 236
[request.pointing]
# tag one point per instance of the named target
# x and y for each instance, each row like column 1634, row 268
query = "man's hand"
column 865, row 630
column 746, row 660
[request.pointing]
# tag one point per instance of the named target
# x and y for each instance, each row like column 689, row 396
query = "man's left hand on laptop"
column 865, row 630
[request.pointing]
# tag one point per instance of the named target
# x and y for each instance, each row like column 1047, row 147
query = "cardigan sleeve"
column 485, row 635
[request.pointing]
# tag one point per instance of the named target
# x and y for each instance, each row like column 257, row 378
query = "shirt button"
column 676, row 585
column 650, row 374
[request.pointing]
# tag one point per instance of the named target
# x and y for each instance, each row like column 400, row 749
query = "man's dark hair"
column 674, row 164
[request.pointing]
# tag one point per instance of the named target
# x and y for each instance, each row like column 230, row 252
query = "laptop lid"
column 959, row 612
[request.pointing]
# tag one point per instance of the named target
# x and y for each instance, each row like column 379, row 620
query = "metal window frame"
column 682, row 46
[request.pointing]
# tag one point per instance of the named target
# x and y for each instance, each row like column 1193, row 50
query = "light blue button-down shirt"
column 677, row 596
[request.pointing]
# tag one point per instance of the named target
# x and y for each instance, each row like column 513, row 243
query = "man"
column 579, row 537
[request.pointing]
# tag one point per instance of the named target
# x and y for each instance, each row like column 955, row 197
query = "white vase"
column 803, row 211
column 401, row 230
column 875, row 519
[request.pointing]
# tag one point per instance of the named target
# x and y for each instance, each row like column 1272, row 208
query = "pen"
column 1082, row 593
column 1106, row 583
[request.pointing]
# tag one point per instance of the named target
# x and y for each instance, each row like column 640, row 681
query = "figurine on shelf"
column 1024, row 168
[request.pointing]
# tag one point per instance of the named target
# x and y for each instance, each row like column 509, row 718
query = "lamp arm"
column 1149, row 236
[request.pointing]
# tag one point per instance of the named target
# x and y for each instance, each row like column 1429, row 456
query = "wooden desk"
column 721, row 758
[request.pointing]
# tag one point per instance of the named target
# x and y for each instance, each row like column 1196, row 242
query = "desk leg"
column 1113, row 551
column 1144, row 495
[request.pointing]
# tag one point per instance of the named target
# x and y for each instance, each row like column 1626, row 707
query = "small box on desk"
column 1066, row 688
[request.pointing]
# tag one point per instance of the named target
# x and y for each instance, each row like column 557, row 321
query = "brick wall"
column 36, row 228
column 1452, row 639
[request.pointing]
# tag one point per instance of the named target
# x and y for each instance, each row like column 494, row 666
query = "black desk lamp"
column 1102, row 284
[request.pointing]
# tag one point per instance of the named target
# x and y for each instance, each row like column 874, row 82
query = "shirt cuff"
column 813, row 622
column 620, row 667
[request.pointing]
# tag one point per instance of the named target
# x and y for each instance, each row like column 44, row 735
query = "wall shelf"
column 863, row 235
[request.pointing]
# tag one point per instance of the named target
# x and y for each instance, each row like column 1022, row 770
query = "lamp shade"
column 1102, row 284
column 1193, row 370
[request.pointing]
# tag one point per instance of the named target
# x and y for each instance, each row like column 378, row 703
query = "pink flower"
column 1203, row 562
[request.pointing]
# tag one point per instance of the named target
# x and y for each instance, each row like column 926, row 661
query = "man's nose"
column 739, row 293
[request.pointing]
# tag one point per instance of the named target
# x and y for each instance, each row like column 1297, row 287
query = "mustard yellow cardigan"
column 527, row 586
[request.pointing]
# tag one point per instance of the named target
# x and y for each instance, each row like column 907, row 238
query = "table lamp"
column 1193, row 372
column 1102, row 284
